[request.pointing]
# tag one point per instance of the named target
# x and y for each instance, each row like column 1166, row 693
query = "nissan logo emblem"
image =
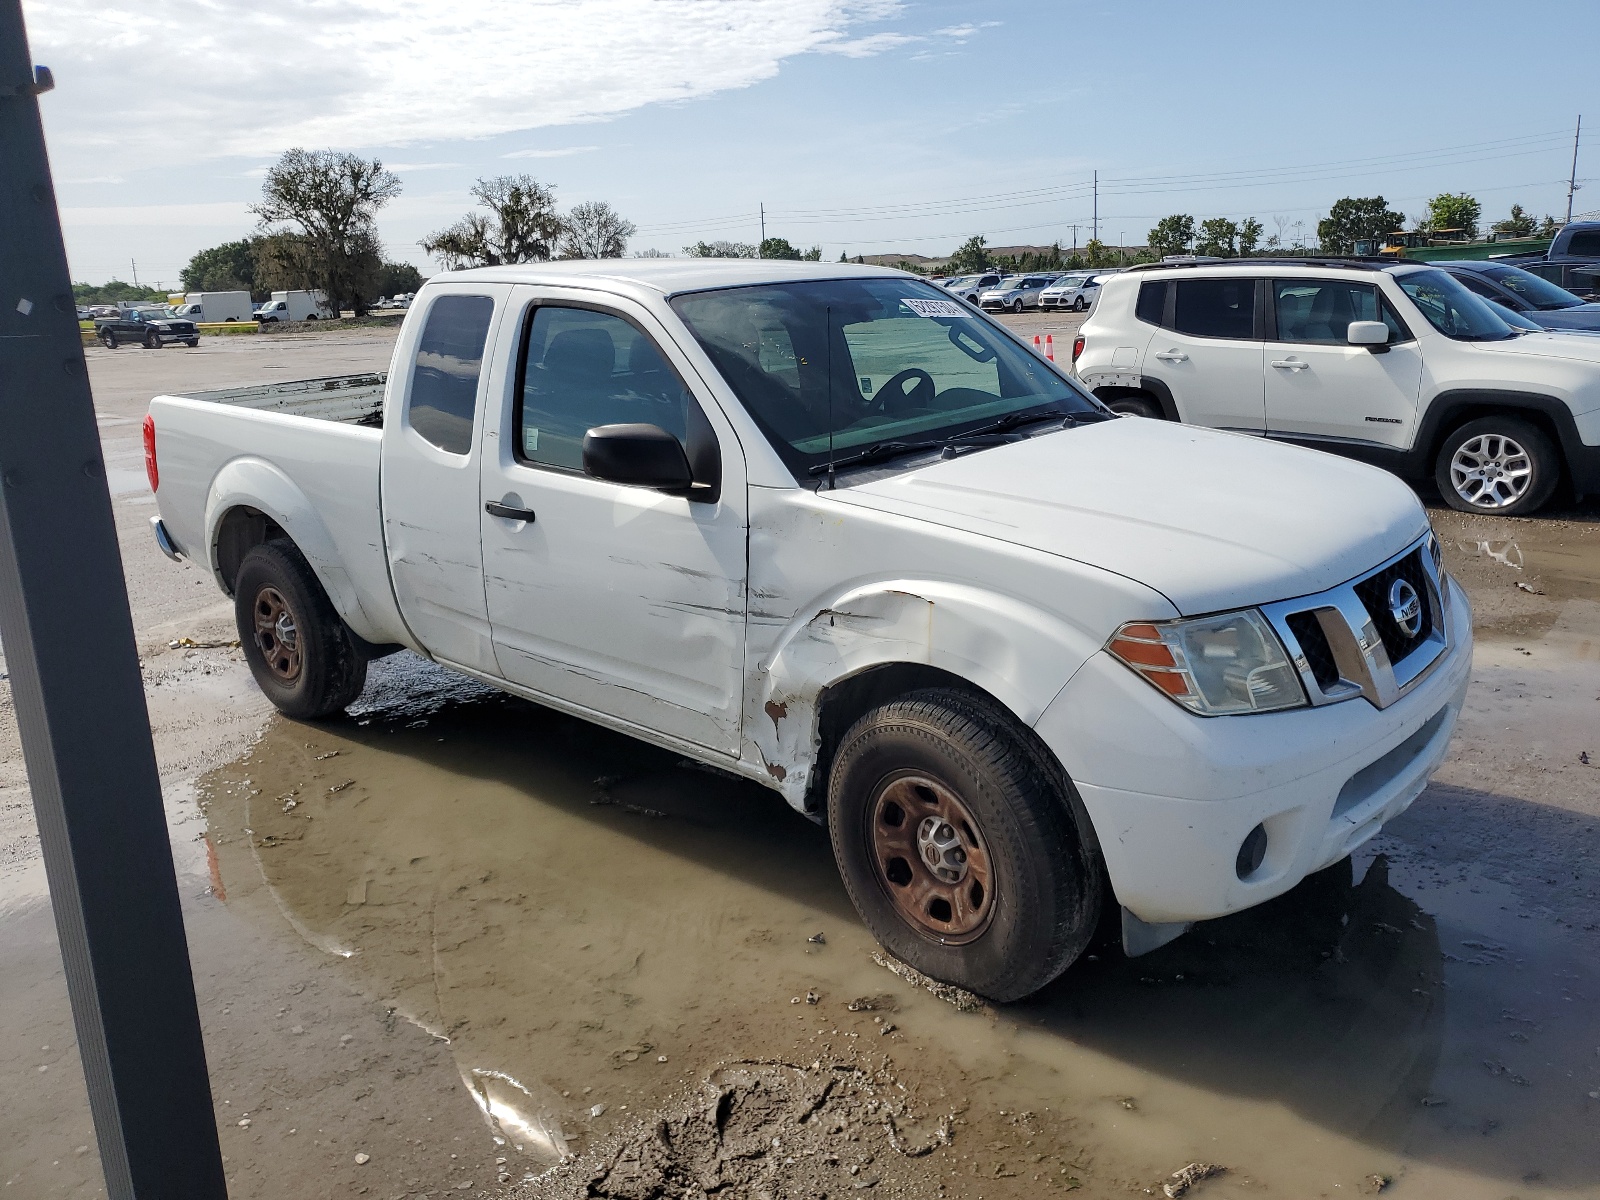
column 1405, row 606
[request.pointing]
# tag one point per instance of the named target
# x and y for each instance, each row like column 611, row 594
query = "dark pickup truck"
column 151, row 328
column 1571, row 262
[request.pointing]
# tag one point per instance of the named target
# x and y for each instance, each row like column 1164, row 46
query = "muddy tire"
column 963, row 845
column 1498, row 466
column 302, row 654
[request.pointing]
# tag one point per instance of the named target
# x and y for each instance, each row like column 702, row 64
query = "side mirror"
column 1367, row 333
column 643, row 455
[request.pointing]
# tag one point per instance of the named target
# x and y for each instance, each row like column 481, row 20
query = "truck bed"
column 354, row 399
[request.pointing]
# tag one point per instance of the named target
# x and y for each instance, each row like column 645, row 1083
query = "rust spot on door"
column 777, row 772
column 777, row 712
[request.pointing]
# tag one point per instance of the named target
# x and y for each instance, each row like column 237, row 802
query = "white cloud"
column 566, row 152
column 256, row 79
column 224, row 214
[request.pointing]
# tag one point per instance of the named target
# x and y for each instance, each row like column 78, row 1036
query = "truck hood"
column 1211, row 520
column 1572, row 344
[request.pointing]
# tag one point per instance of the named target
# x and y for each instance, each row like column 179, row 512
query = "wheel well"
column 842, row 704
column 1460, row 415
column 241, row 531
column 1110, row 393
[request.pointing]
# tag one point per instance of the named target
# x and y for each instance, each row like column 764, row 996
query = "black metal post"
column 80, row 704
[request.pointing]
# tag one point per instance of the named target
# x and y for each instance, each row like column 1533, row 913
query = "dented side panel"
column 837, row 591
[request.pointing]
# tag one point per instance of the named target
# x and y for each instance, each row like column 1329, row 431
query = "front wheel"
column 1016, row 307
column 300, row 651
column 152, row 340
column 962, row 844
column 192, row 343
column 1500, row 466
column 1079, row 304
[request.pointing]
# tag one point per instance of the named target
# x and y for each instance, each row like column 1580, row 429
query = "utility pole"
column 1074, row 239
column 79, row 697
column 135, row 267
column 763, row 228
column 1095, row 236
column 1572, row 182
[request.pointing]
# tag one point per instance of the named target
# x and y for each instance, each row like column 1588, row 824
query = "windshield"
column 1540, row 293
column 1008, row 285
column 1512, row 318
column 1451, row 309
column 841, row 365
column 961, row 281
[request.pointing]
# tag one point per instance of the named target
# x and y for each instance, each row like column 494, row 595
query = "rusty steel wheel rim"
column 277, row 636
column 930, row 859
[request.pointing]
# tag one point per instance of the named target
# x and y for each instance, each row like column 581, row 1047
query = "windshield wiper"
column 1016, row 420
column 876, row 452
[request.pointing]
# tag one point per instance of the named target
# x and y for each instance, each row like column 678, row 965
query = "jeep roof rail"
column 1351, row 262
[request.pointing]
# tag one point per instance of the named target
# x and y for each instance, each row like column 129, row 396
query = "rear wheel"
column 1497, row 465
column 303, row 656
column 962, row 844
column 108, row 339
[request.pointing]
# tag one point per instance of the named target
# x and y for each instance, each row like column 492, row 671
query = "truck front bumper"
column 1173, row 796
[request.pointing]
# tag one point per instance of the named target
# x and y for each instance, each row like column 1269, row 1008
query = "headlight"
column 1231, row 663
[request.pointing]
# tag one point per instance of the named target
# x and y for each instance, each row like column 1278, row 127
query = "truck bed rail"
column 355, row 399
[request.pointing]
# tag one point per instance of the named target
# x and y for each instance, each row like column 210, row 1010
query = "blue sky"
column 863, row 125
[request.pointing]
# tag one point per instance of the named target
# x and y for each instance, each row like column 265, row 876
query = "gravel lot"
column 469, row 939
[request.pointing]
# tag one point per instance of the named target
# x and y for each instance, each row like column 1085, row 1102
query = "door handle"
column 1173, row 356
column 1291, row 364
column 495, row 509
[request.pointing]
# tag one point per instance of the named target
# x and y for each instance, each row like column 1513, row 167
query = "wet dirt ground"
column 471, row 940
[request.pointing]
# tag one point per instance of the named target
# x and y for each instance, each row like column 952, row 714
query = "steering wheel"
column 895, row 396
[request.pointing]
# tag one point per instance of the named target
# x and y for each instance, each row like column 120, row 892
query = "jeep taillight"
column 150, row 470
column 1077, row 348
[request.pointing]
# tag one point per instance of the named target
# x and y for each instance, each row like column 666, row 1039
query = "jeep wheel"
column 1498, row 465
column 301, row 653
column 962, row 844
column 108, row 339
column 1136, row 406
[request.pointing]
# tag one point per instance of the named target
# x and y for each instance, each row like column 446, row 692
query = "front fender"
column 256, row 483
column 1015, row 651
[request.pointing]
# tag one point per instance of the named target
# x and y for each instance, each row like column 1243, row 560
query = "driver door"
column 613, row 599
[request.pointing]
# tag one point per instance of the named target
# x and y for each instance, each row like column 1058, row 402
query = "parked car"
column 1077, row 292
column 997, row 640
column 969, row 287
column 1545, row 304
column 294, row 306
column 104, row 310
column 151, row 328
column 1571, row 262
column 1440, row 388
column 1015, row 293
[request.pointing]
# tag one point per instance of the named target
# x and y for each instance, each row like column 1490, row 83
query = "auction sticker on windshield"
column 938, row 308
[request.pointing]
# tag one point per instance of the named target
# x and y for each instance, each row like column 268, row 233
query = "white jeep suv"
column 1394, row 363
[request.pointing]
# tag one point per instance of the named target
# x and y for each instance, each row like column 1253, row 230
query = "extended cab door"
column 1209, row 351
column 1320, row 386
column 431, row 457
column 618, row 600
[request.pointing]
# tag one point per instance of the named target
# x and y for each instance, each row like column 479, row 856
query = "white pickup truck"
column 831, row 529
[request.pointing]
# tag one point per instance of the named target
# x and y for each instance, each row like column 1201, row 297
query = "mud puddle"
column 647, row 971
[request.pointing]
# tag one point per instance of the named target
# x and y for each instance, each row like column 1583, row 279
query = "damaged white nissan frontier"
column 830, row 529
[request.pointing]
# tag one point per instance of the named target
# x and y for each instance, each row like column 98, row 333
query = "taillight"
column 150, row 470
column 1077, row 348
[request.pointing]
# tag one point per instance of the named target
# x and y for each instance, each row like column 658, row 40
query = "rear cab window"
column 443, row 400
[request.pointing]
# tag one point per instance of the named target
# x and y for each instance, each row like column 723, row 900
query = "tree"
column 1549, row 227
column 594, row 229
column 1171, row 235
column 1352, row 219
column 721, row 250
column 813, row 255
column 777, row 247
column 398, row 279
column 334, row 200
column 651, row 254
column 1249, row 236
column 110, row 293
column 230, row 267
column 1097, row 254
column 1518, row 224
column 1217, row 238
column 1454, row 210
column 970, row 257
column 522, row 225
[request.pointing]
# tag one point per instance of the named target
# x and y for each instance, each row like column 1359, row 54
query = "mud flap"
column 1141, row 937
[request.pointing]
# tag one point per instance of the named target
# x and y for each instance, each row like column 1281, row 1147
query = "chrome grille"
column 1345, row 642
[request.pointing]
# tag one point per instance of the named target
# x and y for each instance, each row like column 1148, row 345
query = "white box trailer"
column 295, row 306
column 217, row 306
